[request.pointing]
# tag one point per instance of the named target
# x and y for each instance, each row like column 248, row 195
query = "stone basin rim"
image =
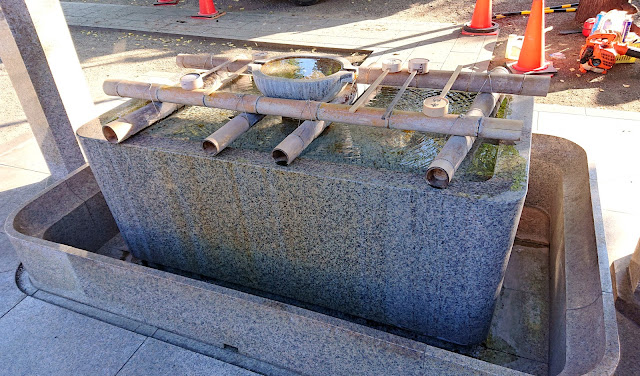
column 346, row 66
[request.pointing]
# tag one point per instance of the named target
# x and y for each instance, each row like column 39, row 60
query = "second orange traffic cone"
column 481, row 23
column 531, row 59
column 208, row 10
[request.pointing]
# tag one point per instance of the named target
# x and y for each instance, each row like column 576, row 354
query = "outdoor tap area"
column 319, row 213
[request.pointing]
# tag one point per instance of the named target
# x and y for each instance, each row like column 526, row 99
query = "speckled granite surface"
column 375, row 243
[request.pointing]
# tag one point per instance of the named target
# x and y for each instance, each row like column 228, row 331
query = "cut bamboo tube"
column 192, row 81
column 312, row 110
column 208, row 61
column 484, row 82
column 119, row 130
column 295, row 143
column 446, row 163
column 436, row 79
column 229, row 132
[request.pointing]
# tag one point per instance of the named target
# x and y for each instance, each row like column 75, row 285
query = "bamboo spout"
column 495, row 82
column 294, row 144
column 312, row 110
column 229, row 132
column 446, row 163
column 119, row 130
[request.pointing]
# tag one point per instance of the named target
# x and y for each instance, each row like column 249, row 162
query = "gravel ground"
column 617, row 90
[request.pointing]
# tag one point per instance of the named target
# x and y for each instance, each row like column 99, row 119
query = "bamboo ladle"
column 415, row 66
column 192, row 81
column 439, row 106
column 388, row 66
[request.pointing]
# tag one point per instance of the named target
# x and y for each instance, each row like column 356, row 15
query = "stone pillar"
column 39, row 56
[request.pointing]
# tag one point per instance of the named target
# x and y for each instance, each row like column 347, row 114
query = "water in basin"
column 391, row 149
column 301, row 67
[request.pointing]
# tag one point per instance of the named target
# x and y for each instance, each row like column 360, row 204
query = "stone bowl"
column 303, row 77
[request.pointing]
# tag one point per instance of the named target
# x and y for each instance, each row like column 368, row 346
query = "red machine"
column 600, row 51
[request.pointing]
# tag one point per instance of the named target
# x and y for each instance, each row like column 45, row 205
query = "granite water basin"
column 352, row 226
column 555, row 312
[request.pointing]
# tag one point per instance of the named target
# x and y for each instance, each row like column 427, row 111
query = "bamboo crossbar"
column 460, row 125
column 515, row 84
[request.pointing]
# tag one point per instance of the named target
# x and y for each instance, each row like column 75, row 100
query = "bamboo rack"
column 477, row 126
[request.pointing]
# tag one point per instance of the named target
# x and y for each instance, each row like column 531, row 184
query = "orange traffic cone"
column 208, row 10
column 531, row 59
column 166, row 2
column 481, row 23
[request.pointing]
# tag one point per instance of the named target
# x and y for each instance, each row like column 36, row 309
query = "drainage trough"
column 71, row 246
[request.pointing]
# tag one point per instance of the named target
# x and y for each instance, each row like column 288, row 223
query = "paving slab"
column 17, row 186
column 10, row 295
column 39, row 338
column 159, row 358
column 25, row 155
column 8, row 258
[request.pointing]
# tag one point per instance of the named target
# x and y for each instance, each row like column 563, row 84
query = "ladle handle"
column 365, row 96
column 228, row 79
column 452, row 79
column 217, row 68
column 395, row 100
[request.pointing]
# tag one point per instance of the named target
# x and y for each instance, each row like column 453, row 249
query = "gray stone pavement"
column 40, row 337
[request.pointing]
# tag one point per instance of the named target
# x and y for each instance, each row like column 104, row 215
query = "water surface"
column 301, row 67
column 392, row 149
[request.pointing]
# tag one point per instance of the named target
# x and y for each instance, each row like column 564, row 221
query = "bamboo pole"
column 436, row 79
column 295, row 143
column 229, row 132
column 313, row 110
column 446, row 163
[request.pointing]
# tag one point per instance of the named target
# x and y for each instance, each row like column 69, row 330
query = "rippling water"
column 404, row 151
